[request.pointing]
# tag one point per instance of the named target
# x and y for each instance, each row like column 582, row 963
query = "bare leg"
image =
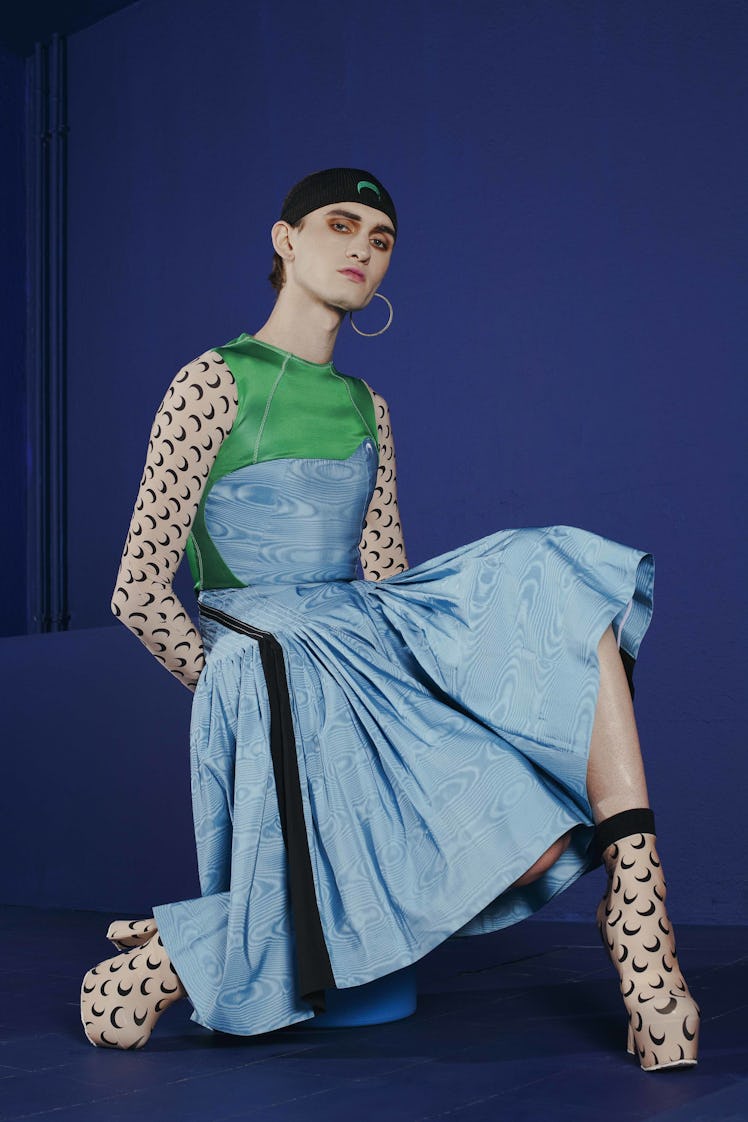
column 615, row 774
column 545, row 861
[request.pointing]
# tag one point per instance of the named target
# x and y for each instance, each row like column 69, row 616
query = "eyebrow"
column 357, row 218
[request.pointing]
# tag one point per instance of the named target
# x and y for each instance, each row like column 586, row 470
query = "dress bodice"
column 287, row 495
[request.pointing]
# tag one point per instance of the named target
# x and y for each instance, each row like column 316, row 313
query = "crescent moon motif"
column 372, row 187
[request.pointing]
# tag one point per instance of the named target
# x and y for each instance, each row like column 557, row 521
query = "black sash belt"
column 312, row 959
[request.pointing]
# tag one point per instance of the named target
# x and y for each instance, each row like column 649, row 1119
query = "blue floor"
column 525, row 1024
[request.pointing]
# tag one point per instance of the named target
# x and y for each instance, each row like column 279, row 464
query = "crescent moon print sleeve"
column 195, row 416
column 382, row 548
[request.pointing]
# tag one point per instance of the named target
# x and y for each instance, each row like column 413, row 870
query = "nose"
column 359, row 248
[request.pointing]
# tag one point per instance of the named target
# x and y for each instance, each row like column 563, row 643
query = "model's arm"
column 382, row 549
column 193, row 419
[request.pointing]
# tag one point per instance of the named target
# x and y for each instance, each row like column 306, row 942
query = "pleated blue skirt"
column 438, row 732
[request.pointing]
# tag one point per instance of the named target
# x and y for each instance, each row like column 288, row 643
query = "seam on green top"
column 281, row 372
column 353, row 403
column 199, row 556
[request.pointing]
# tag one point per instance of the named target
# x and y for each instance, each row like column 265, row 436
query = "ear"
column 281, row 235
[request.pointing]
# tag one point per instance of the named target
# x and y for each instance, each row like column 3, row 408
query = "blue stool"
column 389, row 998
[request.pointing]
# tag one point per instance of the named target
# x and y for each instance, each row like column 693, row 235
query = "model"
column 377, row 764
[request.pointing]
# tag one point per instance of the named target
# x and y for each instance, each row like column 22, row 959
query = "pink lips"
column 354, row 274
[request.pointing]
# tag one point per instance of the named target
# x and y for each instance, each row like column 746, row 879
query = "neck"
column 308, row 328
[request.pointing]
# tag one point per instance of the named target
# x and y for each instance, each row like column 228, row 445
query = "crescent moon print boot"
column 126, row 933
column 636, row 932
column 123, row 997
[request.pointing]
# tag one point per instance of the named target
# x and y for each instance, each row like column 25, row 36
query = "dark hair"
column 277, row 276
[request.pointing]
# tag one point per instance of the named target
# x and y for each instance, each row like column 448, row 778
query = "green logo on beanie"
column 371, row 186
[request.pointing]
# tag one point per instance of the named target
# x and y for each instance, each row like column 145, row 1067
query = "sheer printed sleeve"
column 195, row 416
column 381, row 548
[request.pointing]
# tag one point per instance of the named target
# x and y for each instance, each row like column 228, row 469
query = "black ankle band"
column 640, row 821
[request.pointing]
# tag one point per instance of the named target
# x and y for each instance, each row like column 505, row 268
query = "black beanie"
column 336, row 185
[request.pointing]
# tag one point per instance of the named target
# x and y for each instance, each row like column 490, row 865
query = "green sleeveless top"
column 288, row 408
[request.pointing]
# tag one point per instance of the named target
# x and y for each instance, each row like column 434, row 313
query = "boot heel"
column 127, row 933
column 669, row 1037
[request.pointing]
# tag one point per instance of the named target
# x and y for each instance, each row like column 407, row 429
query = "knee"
column 545, row 861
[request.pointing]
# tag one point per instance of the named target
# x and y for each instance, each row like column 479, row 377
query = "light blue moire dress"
column 373, row 763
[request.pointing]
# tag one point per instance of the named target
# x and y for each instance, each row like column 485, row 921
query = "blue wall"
column 95, row 805
column 13, row 323
column 568, row 347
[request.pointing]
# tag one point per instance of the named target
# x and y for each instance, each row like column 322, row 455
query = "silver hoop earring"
column 370, row 334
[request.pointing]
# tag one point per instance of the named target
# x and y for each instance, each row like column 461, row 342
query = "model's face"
column 341, row 253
